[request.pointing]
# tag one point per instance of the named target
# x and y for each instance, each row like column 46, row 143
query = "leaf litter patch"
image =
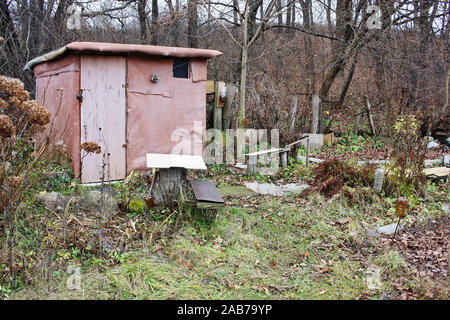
column 426, row 248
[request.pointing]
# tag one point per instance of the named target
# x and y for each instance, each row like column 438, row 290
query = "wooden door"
column 103, row 117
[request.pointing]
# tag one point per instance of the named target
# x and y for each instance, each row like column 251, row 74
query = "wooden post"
column 369, row 115
column 321, row 120
column 228, row 106
column 218, row 105
column 284, row 161
column 251, row 164
column 315, row 113
column 358, row 119
column 293, row 112
column 307, row 151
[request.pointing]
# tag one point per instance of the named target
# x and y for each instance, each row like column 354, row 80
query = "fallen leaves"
column 427, row 248
column 157, row 248
column 217, row 243
column 185, row 263
column 322, row 292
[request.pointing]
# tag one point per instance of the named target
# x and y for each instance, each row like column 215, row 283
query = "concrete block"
column 315, row 140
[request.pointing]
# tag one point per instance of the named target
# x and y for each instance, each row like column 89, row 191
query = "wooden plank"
column 218, row 104
column 210, row 86
column 103, row 117
column 263, row 152
column 439, row 172
column 158, row 160
column 209, row 205
column 206, row 191
column 296, row 142
column 328, row 138
column 227, row 108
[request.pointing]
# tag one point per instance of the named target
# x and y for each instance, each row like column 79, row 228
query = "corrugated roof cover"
column 121, row 48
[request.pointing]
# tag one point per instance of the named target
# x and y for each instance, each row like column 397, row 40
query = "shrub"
column 408, row 155
column 20, row 164
column 333, row 175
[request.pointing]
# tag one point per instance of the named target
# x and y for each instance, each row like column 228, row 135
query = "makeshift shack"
column 127, row 98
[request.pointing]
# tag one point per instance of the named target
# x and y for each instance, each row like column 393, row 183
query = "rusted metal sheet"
column 103, row 117
column 164, row 117
column 57, row 83
column 161, row 114
column 206, row 191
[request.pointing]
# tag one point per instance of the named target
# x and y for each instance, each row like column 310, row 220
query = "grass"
column 259, row 247
column 278, row 249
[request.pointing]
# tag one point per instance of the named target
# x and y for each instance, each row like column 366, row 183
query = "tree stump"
column 168, row 187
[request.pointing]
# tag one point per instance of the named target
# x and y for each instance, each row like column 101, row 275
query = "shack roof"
column 123, row 49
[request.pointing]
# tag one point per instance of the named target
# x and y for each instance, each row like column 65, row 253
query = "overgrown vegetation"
column 333, row 175
column 408, row 157
column 288, row 248
column 309, row 246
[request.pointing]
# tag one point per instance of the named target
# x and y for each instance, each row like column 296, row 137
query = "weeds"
column 21, row 167
column 333, row 175
column 408, row 155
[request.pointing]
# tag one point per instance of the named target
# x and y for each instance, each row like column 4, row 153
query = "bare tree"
column 192, row 24
column 142, row 14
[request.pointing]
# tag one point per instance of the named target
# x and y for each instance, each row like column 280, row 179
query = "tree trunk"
column 369, row 116
column 279, row 11
column 244, row 58
column 425, row 25
column 340, row 51
column 177, row 23
column 329, row 22
column 242, row 86
column 192, row 24
column 445, row 106
column 293, row 13
column 155, row 16
column 288, row 14
column 348, row 80
column 142, row 20
column 235, row 11
column 309, row 65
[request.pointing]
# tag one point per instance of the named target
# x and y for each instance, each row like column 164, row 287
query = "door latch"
column 80, row 95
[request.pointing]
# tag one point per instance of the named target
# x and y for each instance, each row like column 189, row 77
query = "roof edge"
column 45, row 57
column 124, row 48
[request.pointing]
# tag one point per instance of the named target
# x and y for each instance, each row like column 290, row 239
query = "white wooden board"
column 158, row 160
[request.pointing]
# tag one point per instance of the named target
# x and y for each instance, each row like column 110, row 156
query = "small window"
column 181, row 68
